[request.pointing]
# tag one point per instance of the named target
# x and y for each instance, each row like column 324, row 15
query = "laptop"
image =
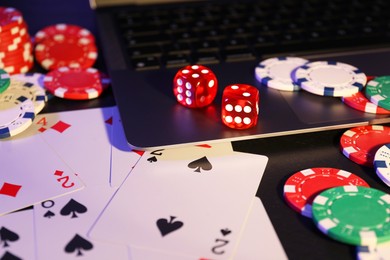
column 145, row 42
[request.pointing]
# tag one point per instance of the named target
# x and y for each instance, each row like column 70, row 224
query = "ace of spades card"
column 63, row 223
column 193, row 206
column 17, row 235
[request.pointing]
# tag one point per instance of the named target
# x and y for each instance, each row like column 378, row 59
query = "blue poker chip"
column 327, row 78
column 276, row 72
column 382, row 163
column 16, row 113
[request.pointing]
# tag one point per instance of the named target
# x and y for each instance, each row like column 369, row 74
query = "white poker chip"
column 33, row 92
column 326, row 78
column 378, row 252
column 31, row 77
column 16, row 113
column 276, row 72
column 382, row 163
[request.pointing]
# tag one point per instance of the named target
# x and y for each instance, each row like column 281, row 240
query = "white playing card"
column 62, row 224
column 142, row 254
column 31, row 172
column 194, row 207
column 191, row 151
column 17, row 235
column 259, row 239
column 123, row 158
column 82, row 138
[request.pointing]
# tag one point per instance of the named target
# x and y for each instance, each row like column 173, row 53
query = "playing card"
column 259, row 239
column 82, row 138
column 194, row 207
column 62, row 224
column 17, row 235
column 31, row 172
column 190, row 151
column 123, row 158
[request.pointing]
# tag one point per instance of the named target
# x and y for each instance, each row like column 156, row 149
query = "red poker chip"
column 18, row 30
column 24, row 51
column 360, row 144
column 302, row 187
column 69, row 51
column 18, row 68
column 76, row 83
column 65, row 29
column 359, row 102
column 17, row 41
column 9, row 18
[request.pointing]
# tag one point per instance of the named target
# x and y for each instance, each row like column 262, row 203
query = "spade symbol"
column 225, row 231
column 73, row 207
column 7, row 235
column 152, row 159
column 8, row 256
column 49, row 214
column 167, row 227
column 201, row 163
column 78, row 244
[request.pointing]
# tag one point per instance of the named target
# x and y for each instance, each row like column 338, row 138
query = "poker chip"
column 76, row 83
column 360, row 144
column 69, row 51
column 62, row 29
column 378, row 252
column 382, row 163
column 353, row 214
column 301, row 188
column 276, row 72
column 326, row 78
column 9, row 18
column 378, row 91
column 16, row 113
column 15, row 42
column 359, row 102
column 33, row 92
column 4, row 80
column 31, row 77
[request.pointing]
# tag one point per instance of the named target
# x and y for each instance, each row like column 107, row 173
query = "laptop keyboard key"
column 239, row 54
column 176, row 60
column 207, row 58
column 146, row 63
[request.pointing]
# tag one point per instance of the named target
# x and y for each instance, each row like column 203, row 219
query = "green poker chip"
column 353, row 214
column 4, row 80
column 378, row 91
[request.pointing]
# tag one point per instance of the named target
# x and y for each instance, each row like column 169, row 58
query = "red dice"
column 240, row 106
column 195, row 86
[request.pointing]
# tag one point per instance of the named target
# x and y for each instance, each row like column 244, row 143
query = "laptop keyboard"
column 206, row 33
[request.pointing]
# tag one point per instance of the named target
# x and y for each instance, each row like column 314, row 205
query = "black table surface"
column 287, row 154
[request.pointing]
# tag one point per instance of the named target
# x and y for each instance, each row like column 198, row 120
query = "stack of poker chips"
column 15, row 43
column 68, row 52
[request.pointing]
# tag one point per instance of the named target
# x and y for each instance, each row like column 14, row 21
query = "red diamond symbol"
column 58, row 173
column 60, row 126
column 139, row 152
column 109, row 121
column 42, row 129
column 10, row 189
